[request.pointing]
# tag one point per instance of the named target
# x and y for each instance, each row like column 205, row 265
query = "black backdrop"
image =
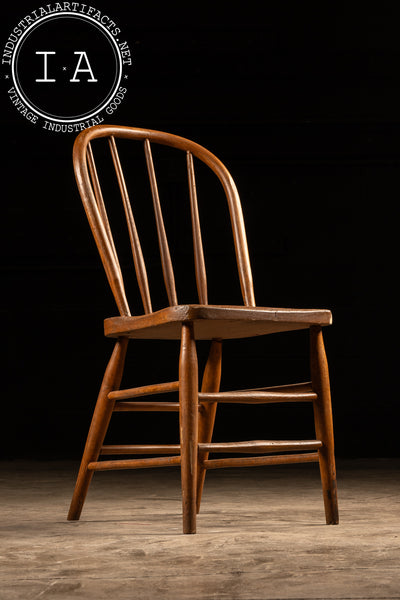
column 301, row 103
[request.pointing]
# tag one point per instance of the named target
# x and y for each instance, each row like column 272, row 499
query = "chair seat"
column 215, row 322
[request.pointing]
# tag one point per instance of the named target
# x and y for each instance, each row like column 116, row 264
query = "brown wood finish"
column 140, row 267
column 261, row 446
column 167, row 268
column 188, row 418
column 259, row 461
column 210, row 384
column 324, row 424
column 262, row 396
column 135, row 133
column 145, row 390
column 135, row 463
column 100, row 204
column 146, row 406
column 215, row 322
column 98, row 428
column 189, row 323
column 199, row 264
column 136, row 449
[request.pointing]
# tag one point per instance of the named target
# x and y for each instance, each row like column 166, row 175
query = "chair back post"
column 97, row 224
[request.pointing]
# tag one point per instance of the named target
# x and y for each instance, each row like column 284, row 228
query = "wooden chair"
column 189, row 323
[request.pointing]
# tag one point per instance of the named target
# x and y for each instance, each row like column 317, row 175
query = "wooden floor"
column 261, row 535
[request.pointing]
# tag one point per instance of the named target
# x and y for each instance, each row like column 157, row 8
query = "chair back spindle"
column 166, row 262
column 138, row 260
column 199, row 265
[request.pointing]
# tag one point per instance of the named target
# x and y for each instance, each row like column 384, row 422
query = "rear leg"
column 211, row 382
column 324, row 424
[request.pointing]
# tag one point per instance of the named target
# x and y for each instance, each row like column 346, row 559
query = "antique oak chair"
column 189, row 323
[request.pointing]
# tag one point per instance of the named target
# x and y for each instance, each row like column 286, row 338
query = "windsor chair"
column 189, row 323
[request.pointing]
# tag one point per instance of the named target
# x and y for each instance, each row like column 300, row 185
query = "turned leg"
column 188, row 412
column 99, row 425
column 211, row 382
column 324, row 423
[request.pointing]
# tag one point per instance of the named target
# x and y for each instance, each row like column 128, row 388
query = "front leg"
column 188, row 417
column 99, row 425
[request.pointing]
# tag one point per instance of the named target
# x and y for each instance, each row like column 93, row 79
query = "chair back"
column 91, row 191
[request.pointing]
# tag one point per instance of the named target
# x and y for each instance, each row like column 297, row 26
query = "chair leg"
column 99, row 425
column 211, row 382
column 188, row 417
column 324, row 423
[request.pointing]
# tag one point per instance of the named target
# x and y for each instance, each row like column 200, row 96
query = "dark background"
column 301, row 102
